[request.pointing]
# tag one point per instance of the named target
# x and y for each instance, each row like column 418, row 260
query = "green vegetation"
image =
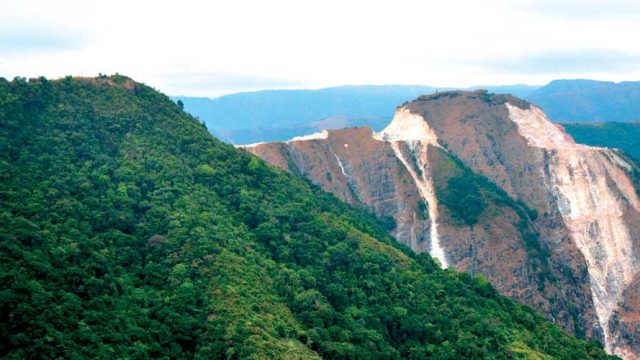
column 464, row 193
column 423, row 210
column 623, row 136
column 463, row 198
column 618, row 135
column 127, row 231
column 467, row 196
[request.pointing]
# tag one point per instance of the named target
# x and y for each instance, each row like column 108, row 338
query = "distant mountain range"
column 589, row 100
column 272, row 115
column 249, row 136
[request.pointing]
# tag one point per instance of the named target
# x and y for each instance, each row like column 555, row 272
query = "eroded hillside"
column 486, row 183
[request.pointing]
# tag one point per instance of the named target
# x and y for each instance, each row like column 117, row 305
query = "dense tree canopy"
column 128, row 231
column 623, row 136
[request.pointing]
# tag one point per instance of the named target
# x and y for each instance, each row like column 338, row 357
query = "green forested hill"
column 623, row 136
column 127, row 231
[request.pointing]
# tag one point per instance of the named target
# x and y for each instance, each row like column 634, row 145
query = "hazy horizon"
column 210, row 49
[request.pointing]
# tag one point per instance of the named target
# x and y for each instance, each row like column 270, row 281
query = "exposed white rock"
column 407, row 126
column 247, row 146
column 344, row 173
column 315, row 136
column 412, row 129
column 592, row 210
column 425, row 187
column 341, row 166
column 539, row 131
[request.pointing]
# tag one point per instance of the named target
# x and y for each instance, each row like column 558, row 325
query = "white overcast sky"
column 209, row 48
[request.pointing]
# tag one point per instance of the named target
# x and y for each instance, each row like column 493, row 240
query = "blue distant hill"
column 271, row 115
column 589, row 100
column 286, row 108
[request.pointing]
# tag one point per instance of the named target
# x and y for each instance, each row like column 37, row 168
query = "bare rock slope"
column 487, row 184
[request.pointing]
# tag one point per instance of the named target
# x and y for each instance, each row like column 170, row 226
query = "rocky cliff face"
column 487, row 184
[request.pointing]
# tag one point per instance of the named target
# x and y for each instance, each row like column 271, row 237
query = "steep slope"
column 127, row 231
column 549, row 222
column 589, row 100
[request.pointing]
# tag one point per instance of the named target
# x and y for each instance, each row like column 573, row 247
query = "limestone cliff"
column 487, row 184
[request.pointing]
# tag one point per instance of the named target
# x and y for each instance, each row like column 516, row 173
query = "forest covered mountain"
column 128, row 231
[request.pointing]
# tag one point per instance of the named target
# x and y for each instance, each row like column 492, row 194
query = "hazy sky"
column 214, row 47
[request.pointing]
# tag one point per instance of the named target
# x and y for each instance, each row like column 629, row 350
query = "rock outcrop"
column 487, row 184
